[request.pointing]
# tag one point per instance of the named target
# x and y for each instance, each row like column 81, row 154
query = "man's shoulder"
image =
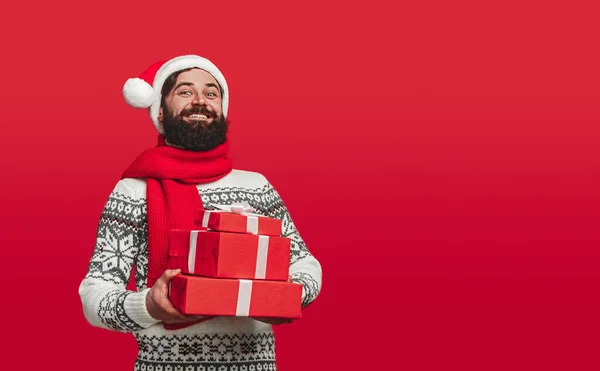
column 248, row 175
column 239, row 178
column 132, row 187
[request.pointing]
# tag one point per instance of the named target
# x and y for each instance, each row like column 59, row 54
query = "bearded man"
column 189, row 169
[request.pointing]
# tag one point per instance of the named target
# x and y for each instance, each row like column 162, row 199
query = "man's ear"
column 160, row 115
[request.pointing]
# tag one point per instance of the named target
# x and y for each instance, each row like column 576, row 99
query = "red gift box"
column 197, row 295
column 225, row 221
column 229, row 255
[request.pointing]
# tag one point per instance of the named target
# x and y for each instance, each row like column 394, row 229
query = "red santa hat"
column 144, row 91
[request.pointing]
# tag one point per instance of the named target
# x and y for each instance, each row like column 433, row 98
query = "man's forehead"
column 196, row 75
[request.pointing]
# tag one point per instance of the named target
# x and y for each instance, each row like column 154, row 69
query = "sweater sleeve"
column 119, row 243
column 305, row 269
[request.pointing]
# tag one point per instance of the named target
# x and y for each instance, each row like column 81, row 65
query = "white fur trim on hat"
column 178, row 64
column 138, row 93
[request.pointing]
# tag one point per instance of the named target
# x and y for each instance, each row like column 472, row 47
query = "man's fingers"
column 170, row 273
column 168, row 276
column 177, row 317
column 170, row 309
column 168, row 312
column 163, row 282
column 173, row 312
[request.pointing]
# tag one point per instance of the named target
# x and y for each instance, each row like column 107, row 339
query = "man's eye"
column 211, row 94
column 185, row 92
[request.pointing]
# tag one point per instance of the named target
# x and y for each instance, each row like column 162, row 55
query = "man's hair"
column 170, row 83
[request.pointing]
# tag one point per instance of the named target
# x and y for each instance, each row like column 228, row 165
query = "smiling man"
column 191, row 111
column 187, row 99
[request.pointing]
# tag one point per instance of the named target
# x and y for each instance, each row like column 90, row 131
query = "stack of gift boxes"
column 236, row 264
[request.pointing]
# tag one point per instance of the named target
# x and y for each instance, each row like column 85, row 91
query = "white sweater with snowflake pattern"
column 219, row 344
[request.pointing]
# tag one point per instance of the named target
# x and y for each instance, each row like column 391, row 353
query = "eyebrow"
column 185, row 83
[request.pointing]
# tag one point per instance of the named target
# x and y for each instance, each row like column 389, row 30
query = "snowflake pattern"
column 227, row 352
column 117, row 251
column 118, row 239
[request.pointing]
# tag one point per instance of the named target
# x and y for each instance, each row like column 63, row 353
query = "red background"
column 440, row 158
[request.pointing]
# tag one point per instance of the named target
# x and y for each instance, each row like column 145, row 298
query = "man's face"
column 192, row 117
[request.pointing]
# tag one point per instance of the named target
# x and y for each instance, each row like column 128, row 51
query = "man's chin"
column 195, row 134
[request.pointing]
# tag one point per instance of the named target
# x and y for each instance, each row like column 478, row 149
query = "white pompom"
column 138, row 93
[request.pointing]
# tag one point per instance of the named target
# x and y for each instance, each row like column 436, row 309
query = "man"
column 188, row 99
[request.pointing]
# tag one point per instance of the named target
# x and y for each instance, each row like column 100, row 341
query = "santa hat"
column 144, row 91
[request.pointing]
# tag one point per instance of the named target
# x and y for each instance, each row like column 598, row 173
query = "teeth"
column 198, row 116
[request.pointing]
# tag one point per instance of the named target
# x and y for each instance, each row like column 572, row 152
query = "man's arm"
column 120, row 242
column 305, row 269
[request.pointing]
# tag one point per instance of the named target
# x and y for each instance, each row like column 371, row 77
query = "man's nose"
column 199, row 100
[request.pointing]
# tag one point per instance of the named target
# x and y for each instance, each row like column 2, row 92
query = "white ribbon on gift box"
column 241, row 208
column 244, row 296
column 261, row 257
column 192, row 253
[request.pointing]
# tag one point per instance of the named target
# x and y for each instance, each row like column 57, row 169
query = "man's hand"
column 158, row 304
column 274, row 320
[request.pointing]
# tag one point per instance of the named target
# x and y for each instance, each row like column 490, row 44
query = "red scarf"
column 171, row 194
column 172, row 197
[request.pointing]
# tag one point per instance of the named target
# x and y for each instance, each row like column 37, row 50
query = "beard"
column 195, row 135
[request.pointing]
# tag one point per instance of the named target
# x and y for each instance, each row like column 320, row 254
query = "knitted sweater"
column 219, row 344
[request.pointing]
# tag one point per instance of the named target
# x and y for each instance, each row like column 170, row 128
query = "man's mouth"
column 198, row 116
column 202, row 116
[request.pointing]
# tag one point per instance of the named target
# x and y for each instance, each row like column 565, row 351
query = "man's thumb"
column 170, row 273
